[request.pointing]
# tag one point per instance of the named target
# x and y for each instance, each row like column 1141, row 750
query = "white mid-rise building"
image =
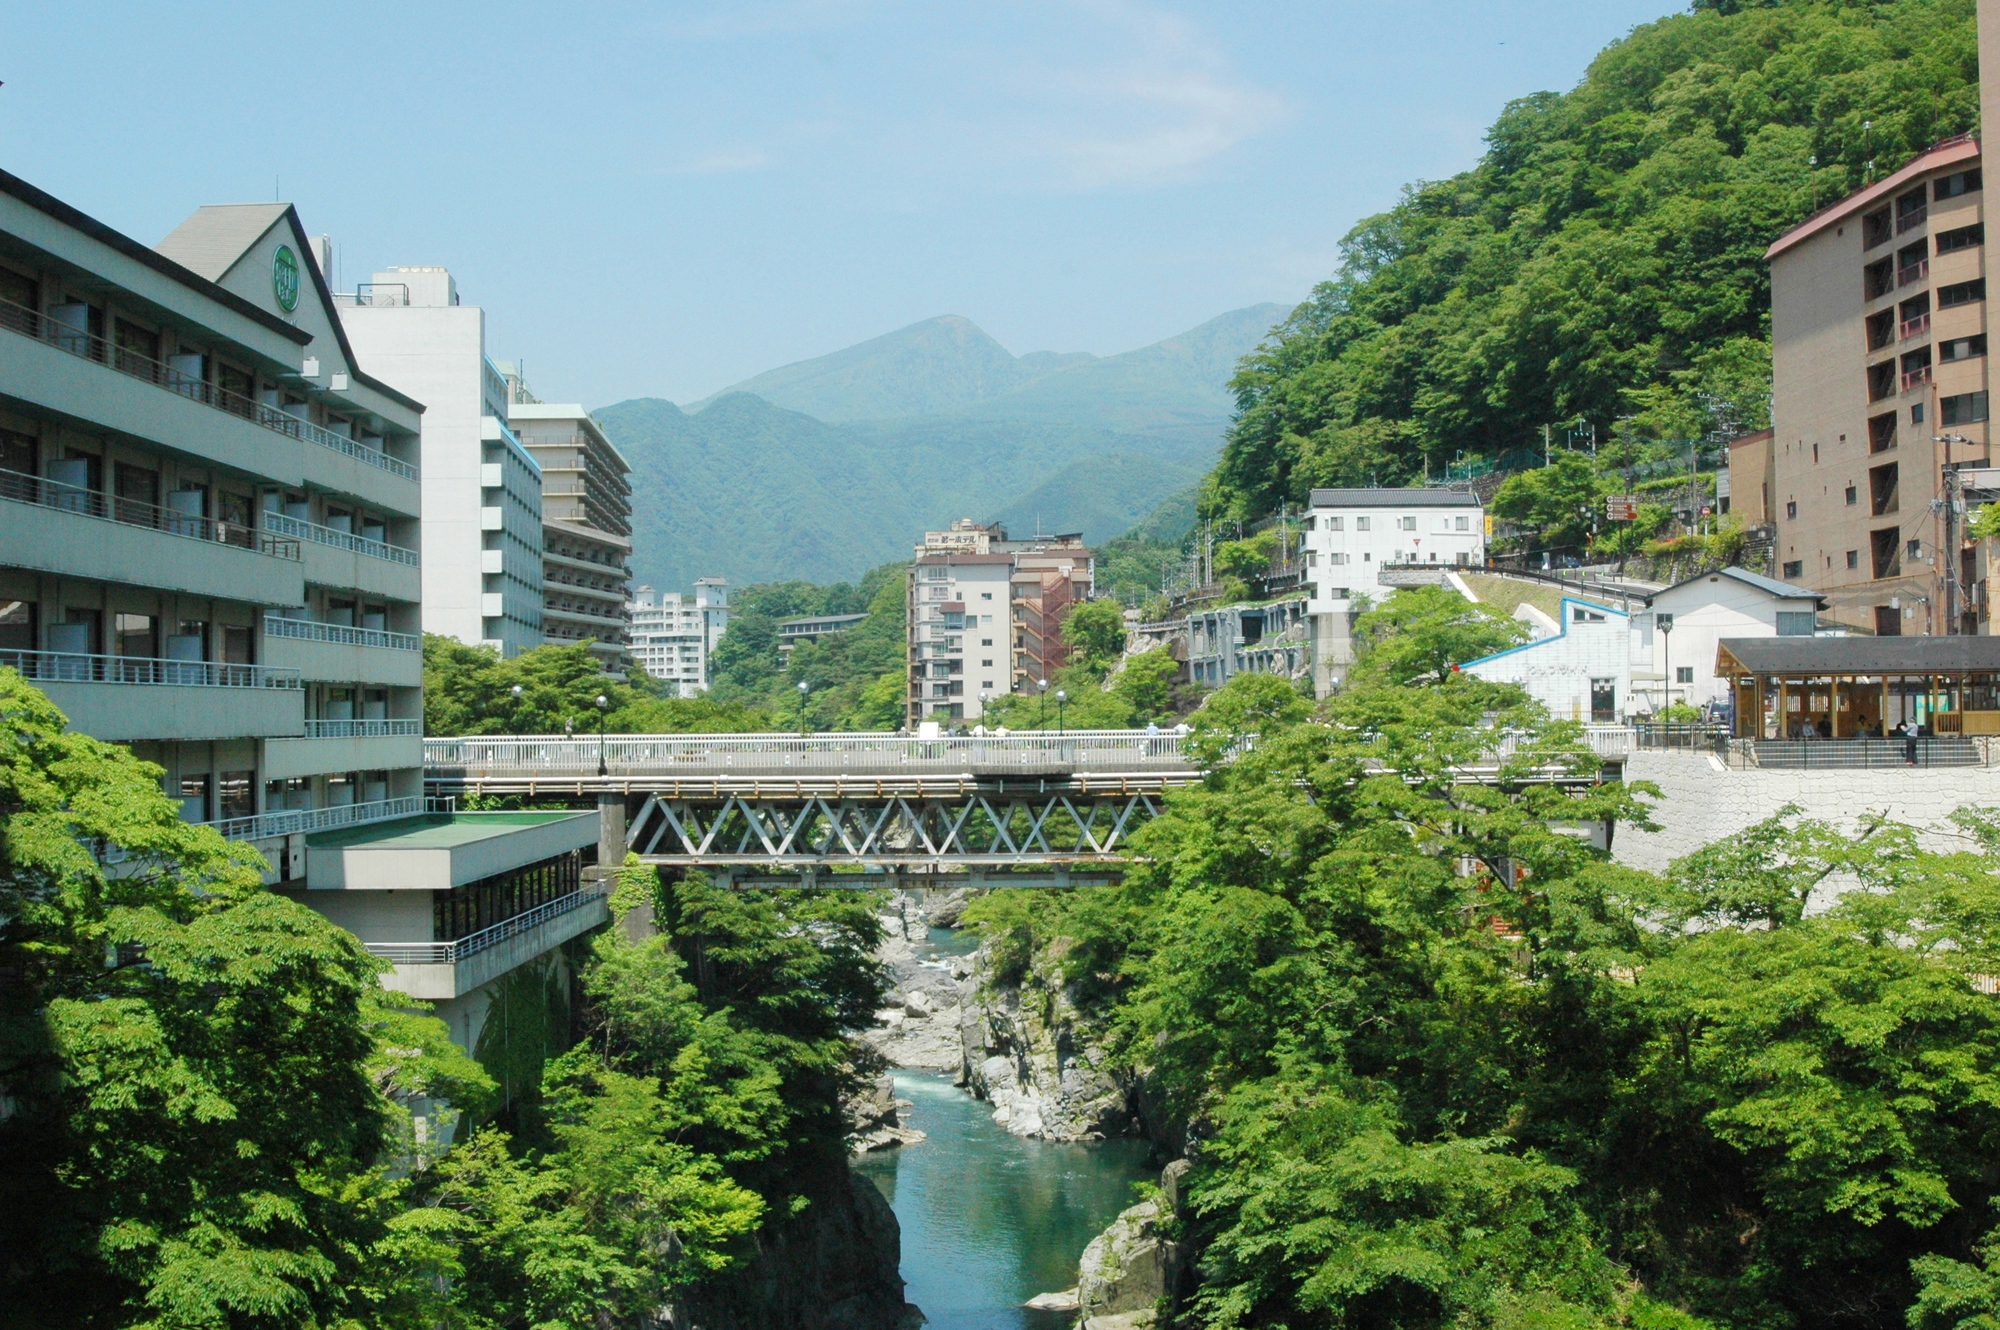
column 674, row 637
column 586, row 522
column 1350, row 536
column 482, row 534
column 960, row 635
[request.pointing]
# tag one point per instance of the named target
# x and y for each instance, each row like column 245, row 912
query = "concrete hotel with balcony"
column 1879, row 368
column 586, row 525
column 208, row 517
column 482, row 536
column 208, row 552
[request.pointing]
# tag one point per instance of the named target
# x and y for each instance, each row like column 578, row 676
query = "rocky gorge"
column 1040, row 1068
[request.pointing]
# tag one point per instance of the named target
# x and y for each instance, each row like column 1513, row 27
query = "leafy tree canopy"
column 1605, row 257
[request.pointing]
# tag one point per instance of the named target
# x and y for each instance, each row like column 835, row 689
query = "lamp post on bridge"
column 1062, row 697
column 603, row 706
column 1043, row 723
column 804, row 688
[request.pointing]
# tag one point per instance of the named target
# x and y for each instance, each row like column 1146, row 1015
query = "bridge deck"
column 879, row 765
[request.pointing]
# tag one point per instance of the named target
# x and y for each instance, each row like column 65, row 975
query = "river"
column 989, row 1219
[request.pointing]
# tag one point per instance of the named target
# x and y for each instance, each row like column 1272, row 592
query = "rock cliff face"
column 1133, row 1264
column 1029, row 1053
column 834, row 1267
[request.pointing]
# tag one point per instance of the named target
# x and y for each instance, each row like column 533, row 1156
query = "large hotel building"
column 1879, row 368
column 209, row 551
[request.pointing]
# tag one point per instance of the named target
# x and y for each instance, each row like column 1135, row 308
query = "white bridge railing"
column 850, row 754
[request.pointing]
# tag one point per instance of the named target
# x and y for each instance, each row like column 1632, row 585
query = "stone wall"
column 1705, row 801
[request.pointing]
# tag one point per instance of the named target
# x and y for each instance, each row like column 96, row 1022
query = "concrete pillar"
column 610, row 832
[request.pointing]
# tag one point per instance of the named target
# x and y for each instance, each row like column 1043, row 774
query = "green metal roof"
column 435, row 831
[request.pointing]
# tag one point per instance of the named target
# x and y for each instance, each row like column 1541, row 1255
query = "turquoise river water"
column 989, row 1220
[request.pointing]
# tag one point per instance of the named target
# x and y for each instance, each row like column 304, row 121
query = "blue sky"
column 661, row 199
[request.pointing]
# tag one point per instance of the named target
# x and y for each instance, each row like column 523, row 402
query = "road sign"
column 1620, row 507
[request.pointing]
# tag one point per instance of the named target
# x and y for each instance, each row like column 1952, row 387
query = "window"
column 1875, row 228
column 986, row 641
column 1916, row 550
column 1683, row 674
column 1795, row 568
column 1461, row 524
column 1853, row 496
column 986, row 664
column 1797, row 623
column 1791, row 510
column 1882, row 432
column 1336, row 558
column 194, row 798
column 138, row 635
column 1854, row 558
column 1885, row 550
column 1962, row 409
column 1962, row 348
column 1361, row 524
column 1951, row 186
column 17, row 625
column 1882, row 489
column 1878, row 279
column 986, row 595
column 1603, row 700
column 1881, row 328
column 1335, row 524
column 236, row 794
column 1917, row 414
column 1961, row 293
column 1409, row 524
column 1888, row 621
column 1585, row 616
column 1965, row 237
column 1881, row 381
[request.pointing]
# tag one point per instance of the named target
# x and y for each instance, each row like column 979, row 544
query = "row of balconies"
column 85, row 377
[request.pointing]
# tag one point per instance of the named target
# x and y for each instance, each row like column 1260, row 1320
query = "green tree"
column 1422, row 634
column 195, row 1091
column 1610, row 241
column 1095, row 633
column 1562, row 501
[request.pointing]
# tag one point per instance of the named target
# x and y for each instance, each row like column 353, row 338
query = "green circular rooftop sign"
column 285, row 278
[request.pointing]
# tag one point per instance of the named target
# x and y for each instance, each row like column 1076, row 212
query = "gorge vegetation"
column 1604, row 260
column 206, row 1097
column 1437, row 1062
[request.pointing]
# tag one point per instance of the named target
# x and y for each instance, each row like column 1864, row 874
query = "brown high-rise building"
column 1879, row 368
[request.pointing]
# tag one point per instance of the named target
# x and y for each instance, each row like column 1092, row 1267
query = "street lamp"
column 804, row 688
column 603, row 706
column 1061, row 698
column 1043, row 723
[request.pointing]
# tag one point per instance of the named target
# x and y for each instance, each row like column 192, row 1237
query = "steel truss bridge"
column 1040, row 809
column 1036, row 809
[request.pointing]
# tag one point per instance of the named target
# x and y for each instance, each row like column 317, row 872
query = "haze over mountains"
column 831, row 466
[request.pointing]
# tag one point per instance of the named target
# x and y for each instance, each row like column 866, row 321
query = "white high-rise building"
column 674, row 638
column 482, row 536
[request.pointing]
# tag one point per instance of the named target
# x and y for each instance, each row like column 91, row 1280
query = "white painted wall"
column 1593, row 642
column 436, row 353
column 1705, row 611
column 1346, row 547
column 983, row 645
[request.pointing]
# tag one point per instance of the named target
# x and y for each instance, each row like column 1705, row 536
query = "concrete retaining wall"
column 1704, row 801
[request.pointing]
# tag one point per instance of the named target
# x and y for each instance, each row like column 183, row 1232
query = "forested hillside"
column 825, row 469
column 1605, row 257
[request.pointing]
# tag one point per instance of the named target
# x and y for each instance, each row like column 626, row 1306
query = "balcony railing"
column 1916, row 378
column 131, row 512
column 326, row 535
column 1916, row 272
column 77, row 667
column 1913, row 218
column 262, row 826
column 305, row 630
column 89, row 346
column 1916, row 327
column 451, row 953
column 361, row 729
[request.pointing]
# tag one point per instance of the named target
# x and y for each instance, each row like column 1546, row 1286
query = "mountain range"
column 825, row 468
